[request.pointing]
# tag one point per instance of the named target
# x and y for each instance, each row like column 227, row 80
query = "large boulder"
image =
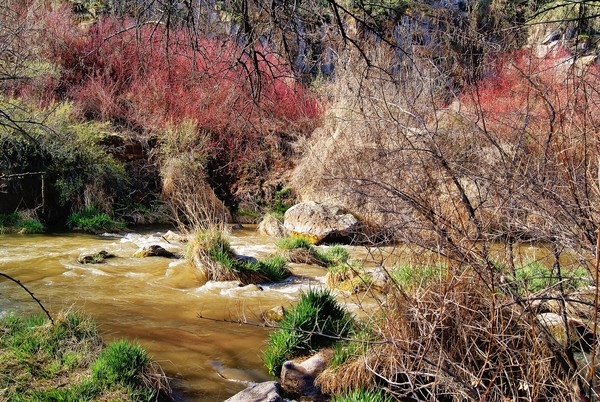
column 262, row 392
column 317, row 222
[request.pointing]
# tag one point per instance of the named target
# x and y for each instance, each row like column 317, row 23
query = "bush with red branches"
column 145, row 77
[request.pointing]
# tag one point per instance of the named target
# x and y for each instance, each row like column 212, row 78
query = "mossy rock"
column 154, row 251
column 96, row 258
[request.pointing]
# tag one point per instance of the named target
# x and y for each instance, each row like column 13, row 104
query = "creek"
column 156, row 301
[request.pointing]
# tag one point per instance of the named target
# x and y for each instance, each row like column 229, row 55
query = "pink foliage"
column 147, row 77
column 551, row 101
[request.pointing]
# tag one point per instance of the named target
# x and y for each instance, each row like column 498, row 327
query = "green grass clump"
column 92, row 221
column 362, row 395
column 15, row 222
column 31, row 226
column 334, row 255
column 283, row 201
column 535, row 276
column 411, row 277
column 317, row 312
column 329, row 257
column 65, row 362
column 9, row 220
column 292, row 243
column 275, row 268
column 226, row 265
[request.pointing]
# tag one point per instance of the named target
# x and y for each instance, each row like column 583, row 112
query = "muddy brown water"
column 156, row 301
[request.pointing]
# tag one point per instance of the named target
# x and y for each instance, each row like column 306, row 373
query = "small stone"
column 153, row 251
column 96, row 258
column 263, row 392
column 172, row 236
column 275, row 314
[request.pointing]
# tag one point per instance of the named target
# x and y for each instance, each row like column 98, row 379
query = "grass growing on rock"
column 300, row 332
column 213, row 254
column 66, row 362
column 300, row 250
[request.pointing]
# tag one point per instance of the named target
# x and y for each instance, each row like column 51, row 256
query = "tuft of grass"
column 92, row 221
column 362, row 395
column 16, row 222
column 331, row 256
column 283, row 201
column 412, row 277
column 224, row 264
column 65, row 362
column 535, row 276
column 274, row 267
column 292, row 243
column 300, row 332
column 121, row 362
column 31, row 226
column 9, row 220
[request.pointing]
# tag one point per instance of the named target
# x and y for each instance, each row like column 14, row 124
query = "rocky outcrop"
column 96, row 258
column 263, row 392
column 154, row 251
column 317, row 222
column 298, row 379
column 271, row 226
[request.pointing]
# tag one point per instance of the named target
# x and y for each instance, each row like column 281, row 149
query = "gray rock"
column 172, row 236
column 298, row 379
column 315, row 221
column 271, row 226
column 262, row 392
column 380, row 279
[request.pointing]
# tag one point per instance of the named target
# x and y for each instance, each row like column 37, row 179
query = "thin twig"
column 18, row 282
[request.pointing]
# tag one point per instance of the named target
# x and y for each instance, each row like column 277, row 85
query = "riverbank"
column 66, row 359
column 156, row 302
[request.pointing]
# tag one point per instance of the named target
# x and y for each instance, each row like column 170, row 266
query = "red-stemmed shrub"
column 146, row 77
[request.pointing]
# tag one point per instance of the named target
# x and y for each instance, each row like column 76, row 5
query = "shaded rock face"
column 154, row 251
column 263, row 392
column 317, row 222
column 298, row 379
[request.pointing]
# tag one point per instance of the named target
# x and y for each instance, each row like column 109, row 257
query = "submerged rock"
column 96, row 258
column 274, row 315
column 263, row 392
column 317, row 222
column 154, row 251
